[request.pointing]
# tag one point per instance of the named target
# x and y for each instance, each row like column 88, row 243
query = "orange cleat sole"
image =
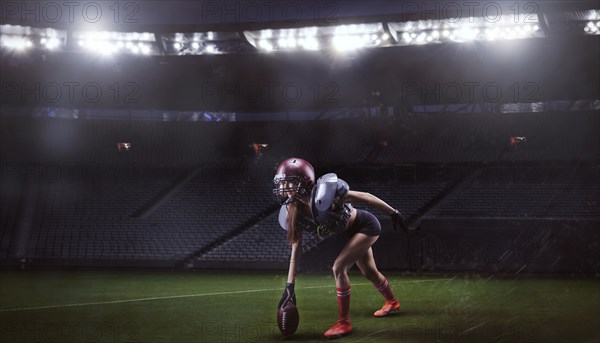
column 338, row 330
column 387, row 309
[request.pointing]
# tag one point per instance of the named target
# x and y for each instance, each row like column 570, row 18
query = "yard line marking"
column 187, row 296
column 362, row 321
column 368, row 283
column 371, row 334
column 473, row 328
column 376, row 332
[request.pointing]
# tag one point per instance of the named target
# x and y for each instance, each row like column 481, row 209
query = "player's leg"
column 357, row 246
column 368, row 268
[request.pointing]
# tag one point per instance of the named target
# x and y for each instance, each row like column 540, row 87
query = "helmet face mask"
column 288, row 189
column 294, row 179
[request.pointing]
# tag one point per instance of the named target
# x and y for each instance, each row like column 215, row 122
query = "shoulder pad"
column 283, row 217
column 324, row 191
column 342, row 189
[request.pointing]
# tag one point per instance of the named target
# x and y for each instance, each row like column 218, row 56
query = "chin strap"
column 290, row 200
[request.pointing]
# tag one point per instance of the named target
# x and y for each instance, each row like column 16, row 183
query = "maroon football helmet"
column 293, row 175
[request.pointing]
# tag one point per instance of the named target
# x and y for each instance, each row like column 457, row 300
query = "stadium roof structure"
column 222, row 27
column 216, row 57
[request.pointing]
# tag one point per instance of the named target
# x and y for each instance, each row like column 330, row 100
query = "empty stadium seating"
column 92, row 202
column 528, row 192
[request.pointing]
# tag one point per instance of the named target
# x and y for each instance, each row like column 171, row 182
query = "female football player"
column 324, row 207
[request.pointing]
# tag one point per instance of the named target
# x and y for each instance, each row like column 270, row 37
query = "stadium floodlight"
column 592, row 28
column 21, row 38
column 460, row 30
column 590, row 20
column 50, row 43
column 108, row 43
column 347, row 37
column 585, row 22
column 16, row 42
column 211, row 49
column 202, row 43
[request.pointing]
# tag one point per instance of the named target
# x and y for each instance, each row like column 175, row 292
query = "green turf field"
column 163, row 306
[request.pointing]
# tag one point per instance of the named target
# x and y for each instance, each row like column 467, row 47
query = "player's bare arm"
column 294, row 259
column 369, row 199
column 398, row 220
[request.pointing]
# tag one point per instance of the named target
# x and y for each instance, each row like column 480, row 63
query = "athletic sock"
column 385, row 290
column 343, row 296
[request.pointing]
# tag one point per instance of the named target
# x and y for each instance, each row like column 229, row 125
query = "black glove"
column 288, row 295
column 399, row 221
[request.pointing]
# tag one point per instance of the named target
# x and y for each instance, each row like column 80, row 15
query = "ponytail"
column 292, row 232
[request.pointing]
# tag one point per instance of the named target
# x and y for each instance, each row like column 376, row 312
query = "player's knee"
column 338, row 269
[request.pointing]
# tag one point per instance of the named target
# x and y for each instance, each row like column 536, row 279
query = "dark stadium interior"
column 83, row 196
column 194, row 191
column 165, row 162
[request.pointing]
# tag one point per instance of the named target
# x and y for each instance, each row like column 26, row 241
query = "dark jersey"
column 303, row 222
